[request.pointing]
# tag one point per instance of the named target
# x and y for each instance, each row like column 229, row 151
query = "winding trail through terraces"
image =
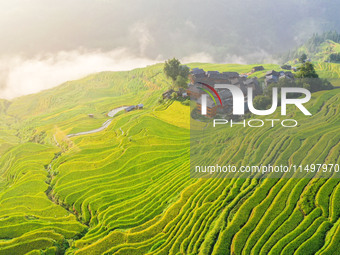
column 50, row 175
column 111, row 114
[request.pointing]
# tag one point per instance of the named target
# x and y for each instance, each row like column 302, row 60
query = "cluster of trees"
column 176, row 72
column 334, row 57
column 312, row 46
column 316, row 40
column 306, row 77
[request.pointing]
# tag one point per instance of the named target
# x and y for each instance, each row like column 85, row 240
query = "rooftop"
column 196, row 71
column 194, row 89
column 210, row 102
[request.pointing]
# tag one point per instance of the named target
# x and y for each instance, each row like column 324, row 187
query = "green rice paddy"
column 127, row 189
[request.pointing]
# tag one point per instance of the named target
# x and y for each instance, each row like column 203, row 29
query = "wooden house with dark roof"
column 168, row 94
column 257, row 69
column 196, row 74
column 194, row 92
column 253, row 82
column 130, row 108
column 211, row 108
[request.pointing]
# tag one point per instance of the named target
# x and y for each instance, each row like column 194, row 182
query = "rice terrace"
column 169, row 127
column 127, row 188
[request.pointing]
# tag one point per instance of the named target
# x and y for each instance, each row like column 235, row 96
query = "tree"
column 307, row 71
column 309, row 79
column 282, row 83
column 176, row 72
column 181, row 82
column 184, row 71
column 303, row 58
column 306, row 86
column 172, row 68
column 262, row 102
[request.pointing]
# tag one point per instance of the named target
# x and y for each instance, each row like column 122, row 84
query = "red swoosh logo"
column 213, row 90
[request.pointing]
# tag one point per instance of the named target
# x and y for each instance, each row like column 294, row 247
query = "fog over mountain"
column 54, row 41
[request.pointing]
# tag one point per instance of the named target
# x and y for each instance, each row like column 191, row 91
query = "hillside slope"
column 323, row 47
column 127, row 189
column 137, row 197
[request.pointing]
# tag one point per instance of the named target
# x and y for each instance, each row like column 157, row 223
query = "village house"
column 213, row 74
column 180, row 93
column 235, row 81
column 194, row 92
column 253, row 83
column 274, row 76
column 130, row 108
column 167, row 94
column 272, row 72
column 214, row 77
column 211, row 108
column 211, row 77
column 195, row 74
column 134, row 107
column 226, row 98
column 231, row 74
column 257, row 69
column 286, row 67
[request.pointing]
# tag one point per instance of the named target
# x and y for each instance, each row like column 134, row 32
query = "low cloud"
column 200, row 57
column 21, row 76
column 140, row 33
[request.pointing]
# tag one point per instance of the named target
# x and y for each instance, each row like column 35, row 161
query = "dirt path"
column 111, row 114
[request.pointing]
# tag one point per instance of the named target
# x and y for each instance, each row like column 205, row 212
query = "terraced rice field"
column 130, row 192
column 28, row 219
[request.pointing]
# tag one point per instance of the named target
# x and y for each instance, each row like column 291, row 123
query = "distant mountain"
column 321, row 48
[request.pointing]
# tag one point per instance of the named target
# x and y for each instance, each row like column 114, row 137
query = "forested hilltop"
column 323, row 47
